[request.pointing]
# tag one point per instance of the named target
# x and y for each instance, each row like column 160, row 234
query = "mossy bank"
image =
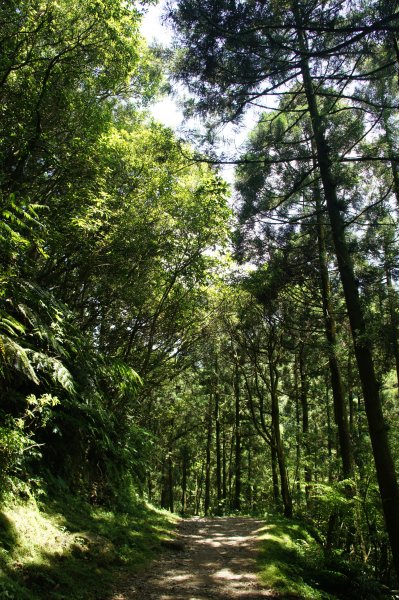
column 68, row 549
column 293, row 562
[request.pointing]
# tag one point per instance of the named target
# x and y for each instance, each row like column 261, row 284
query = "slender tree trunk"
column 249, row 476
column 278, row 443
column 207, row 500
column 185, row 462
column 395, row 175
column 224, row 466
column 285, row 490
column 391, row 150
column 393, row 316
column 165, row 485
column 350, row 398
column 385, row 467
column 276, row 489
column 237, row 457
column 150, row 487
column 297, row 431
column 330, row 443
column 340, row 408
column 230, row 470
column 218, row 456
column 198, row 492
column 170, row 484
column 305, row 423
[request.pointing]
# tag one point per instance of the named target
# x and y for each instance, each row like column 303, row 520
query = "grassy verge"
column 67, row 549
column 293, row 564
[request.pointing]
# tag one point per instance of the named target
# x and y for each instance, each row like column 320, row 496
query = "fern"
column 28, row 361
column 54, row 368
column 123, row 378
column 11, row 326
column 19, row 226
column 14, row 355
column 47, row 321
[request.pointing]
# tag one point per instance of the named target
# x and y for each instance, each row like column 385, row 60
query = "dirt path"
column 216, row 561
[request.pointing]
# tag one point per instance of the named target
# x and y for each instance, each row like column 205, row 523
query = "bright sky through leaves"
column 168, row 112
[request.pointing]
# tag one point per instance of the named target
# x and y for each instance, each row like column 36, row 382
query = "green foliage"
column 68, row 549
column 107, row 233
column 20, row 229
column 293, row 563
column 17, row 441
column 126, row 366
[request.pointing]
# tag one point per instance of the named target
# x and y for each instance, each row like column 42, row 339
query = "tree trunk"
column 305, row 423
column 198, row 491
column 277, row 441
column 350, row 398
column 237, row 456
column 224, row 466
column 249, row 496
column 185, row 462
column 298, row 428
column 393, row 315
column 330, row 436
column 230, row 469
column 384, row 463
column 391, row 291
column 150, row 486
column 340, row 408
column 218, row 456
column 276, row 490
column 207, row 500
column 170, row 484
column 166, row 481
column 391, row 150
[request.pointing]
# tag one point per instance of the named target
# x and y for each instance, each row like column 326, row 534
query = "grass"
column 293, row 564
column 67, row 549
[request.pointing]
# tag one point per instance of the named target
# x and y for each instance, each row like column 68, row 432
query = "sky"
column 152, row 28
column 168, row 112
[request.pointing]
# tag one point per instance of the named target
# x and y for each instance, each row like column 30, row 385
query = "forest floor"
column 213, row 559
column 67, row 549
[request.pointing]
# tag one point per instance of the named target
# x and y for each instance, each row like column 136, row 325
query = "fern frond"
column 7, row 232
column 10, row 325
column 53, row 367
column 17, row 357
column 124, row 378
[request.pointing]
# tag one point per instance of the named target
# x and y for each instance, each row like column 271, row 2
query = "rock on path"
column 214, row 561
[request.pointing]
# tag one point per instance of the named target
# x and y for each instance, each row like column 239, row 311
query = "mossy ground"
column 293, row 564
column 67, row 549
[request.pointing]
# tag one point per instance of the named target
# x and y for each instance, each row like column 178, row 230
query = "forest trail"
column 216, row 562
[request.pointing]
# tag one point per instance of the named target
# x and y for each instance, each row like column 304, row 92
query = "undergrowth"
column 67, row 549
column 293, row 563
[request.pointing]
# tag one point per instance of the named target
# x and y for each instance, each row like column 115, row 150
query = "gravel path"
column 213, row 559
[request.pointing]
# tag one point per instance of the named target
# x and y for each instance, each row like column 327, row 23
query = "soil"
column 213, row 559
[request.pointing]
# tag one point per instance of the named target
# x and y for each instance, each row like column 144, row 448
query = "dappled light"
column 199, row 375
column 218, row 562
column 66, row 543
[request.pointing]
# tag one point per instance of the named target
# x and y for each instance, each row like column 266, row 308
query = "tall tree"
column 317, row 47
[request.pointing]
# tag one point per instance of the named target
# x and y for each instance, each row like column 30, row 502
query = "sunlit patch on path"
column 217, row 563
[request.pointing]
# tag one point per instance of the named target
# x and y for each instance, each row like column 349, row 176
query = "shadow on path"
column 218, row 562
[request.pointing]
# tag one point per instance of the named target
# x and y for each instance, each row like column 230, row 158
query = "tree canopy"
column 213, row 349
